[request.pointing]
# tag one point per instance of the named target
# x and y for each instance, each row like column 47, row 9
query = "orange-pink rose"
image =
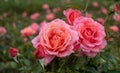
column 57, row 39
column 91, row 35
column 71, row 15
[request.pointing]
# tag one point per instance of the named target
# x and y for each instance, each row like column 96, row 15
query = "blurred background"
column 16, row 16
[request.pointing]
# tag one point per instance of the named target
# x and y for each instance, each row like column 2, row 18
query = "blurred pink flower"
column 34, row 16
column 116, row 7
column 50, row 16
column 45, row 6
column 116, row 17
column 114, row 28
column 48, row 11
column 103, row 10
column 88, row 14
column 68, row 1
column 100, row 20
column 2, row 31
column 24, row 14
column 34, row 26
column 55, row 10
column 95, row 4
column 28, row 31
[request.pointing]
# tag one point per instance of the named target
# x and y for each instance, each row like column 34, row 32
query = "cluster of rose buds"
column 79, row 34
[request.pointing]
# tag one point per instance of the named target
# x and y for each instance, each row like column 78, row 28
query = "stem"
column 62, row 65
column 42, row 67
column 86, row 6
column 106, row 19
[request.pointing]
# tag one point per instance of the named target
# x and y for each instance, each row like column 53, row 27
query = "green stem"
column 106, row 19
column 86, row 6
column 42, row 67
column 62, row 65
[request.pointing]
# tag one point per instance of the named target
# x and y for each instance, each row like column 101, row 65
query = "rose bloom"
column 2, row 31
column 57, row 39
column 114, row 28
column 71, row 15
column 91, row 36
column 116, row 17
column 34, row 16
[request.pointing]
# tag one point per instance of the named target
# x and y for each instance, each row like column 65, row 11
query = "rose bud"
column 13, row 52
column 39, row 52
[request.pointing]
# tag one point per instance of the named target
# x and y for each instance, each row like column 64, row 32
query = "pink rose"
column 95, row 4
column 50, row 16
column 57, row 39
column 91, row 36
column 34, row 16
column 2, row 31
column 100, row 20
column 34, row 26
column 71, row 15
column 28, row 31
column 116, row 17
column 45, row 6
column 116, row 6
column 104, row 10
column 114, row 28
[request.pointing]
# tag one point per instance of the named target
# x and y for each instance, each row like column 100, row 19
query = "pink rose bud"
column 39, row 52
column 88, row 14
column 13, row 52
column 104, row 10
column 24, row 14
column 100, row 20
column 50, row 16
column 116, row 17
column 34, row 16
column 114, row 28
column 71, row 15
column 95, row 4
column 34, row 26
column 2, row 31
column 45, row 6
column 116, row 7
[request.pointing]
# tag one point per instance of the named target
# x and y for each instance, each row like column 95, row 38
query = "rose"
column 71, row 15
column 13, row 52
column 39, row 52
column 57, row 39
column 91, row 35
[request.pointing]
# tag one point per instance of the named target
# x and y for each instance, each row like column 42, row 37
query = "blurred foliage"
column 108, row 61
